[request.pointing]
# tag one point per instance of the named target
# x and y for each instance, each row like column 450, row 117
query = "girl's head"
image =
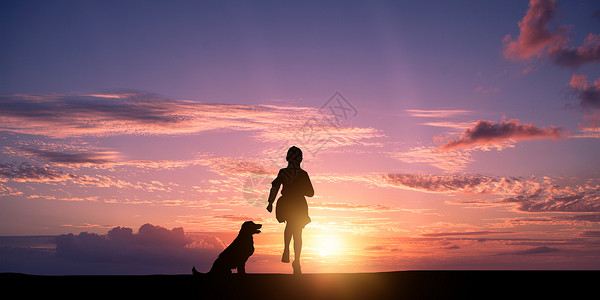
column 294, row 155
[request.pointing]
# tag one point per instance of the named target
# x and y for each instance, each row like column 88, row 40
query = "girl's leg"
column 297, row 233
column 287, row 238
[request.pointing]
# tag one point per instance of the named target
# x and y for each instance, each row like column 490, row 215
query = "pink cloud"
column 487, row 133
column 537, row 39
column 534, row 32
column 446, row 160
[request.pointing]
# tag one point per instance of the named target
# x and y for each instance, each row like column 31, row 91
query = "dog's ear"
column 245, row 225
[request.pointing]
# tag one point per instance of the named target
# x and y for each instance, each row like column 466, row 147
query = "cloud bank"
column 153, row 247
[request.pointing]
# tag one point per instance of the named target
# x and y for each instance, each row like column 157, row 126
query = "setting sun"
column 328, row 245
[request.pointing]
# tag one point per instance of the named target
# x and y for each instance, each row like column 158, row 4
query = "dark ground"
column 389, row 285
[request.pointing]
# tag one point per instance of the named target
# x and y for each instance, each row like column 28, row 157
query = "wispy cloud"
column 448, row 124
column 447, row 118
column 464, row 233
column 228, row 166
column 25, row 172
column 352, row 207
column 441, row 183
column 446, row 160
column 437, row 113
column 487, row 90
column 71, row 158
column 527, row 194
column 137, row 113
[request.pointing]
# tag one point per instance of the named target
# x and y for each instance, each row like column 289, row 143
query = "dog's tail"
column 195, row 272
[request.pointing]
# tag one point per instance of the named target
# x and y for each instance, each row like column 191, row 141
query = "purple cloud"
column 534, row 251
column 482, row 232
column 544, row 201
column 588, row 52
column 62, row 157
column 27, row 172
column 589, row 94
column 487, row 133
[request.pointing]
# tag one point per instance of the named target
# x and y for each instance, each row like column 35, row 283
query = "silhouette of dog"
column 237, row 253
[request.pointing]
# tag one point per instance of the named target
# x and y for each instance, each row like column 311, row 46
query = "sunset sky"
column 137, row 136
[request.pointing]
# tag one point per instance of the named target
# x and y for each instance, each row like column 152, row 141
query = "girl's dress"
column 291, row 206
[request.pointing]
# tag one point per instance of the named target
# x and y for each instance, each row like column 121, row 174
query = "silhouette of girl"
column 291, row 206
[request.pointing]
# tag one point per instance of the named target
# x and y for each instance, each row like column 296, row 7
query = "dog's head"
column 250, row 228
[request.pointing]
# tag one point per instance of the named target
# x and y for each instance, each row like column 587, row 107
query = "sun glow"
column 328, row 245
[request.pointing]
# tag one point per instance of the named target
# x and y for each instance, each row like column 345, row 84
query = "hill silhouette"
column 387, row 285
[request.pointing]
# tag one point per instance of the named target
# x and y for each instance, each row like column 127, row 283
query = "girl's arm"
column 273, row 193
column 309, row 192
column 272, row 196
